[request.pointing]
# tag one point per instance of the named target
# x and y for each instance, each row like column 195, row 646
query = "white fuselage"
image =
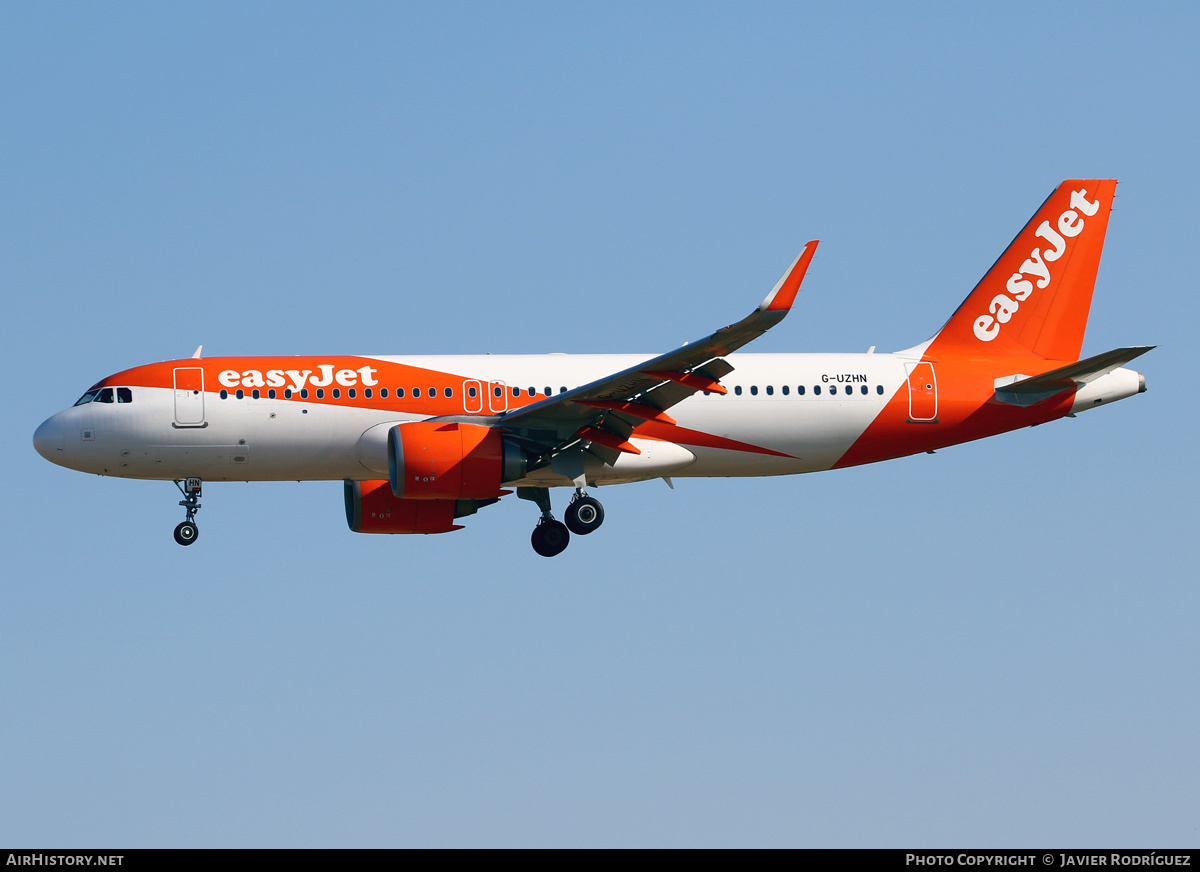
column 276, row 439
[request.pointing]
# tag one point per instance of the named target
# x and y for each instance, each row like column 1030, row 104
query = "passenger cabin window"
column 337, row 393
column 549, row 392
column 754, row 390
column 399, row 393
column 864, row 390
column 416, row 393
column 271, row 394
column 448, row 392
column 738, row 390
column 770, row 390
column 471, row 392
column 254, row 393
column 240, row 393
column 817, row 390
column 785, row 390
column 352, row 393
column 879, row 389
column 287, row 393
column 800, row 390
column 304, row 393
column 383, row 393
column 224, row 394
column 320, row 393
column 367, row 393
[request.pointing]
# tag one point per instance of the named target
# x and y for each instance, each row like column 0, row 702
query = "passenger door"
column 189, row 397
column 922, row 393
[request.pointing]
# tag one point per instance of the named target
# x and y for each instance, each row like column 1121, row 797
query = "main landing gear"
column 551, row 537
column 584, row 515
column 187, row 531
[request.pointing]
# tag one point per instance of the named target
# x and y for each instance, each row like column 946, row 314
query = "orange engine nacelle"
column 441, row 460
column 371, row 508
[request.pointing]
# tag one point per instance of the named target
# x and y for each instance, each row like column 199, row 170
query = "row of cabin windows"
column 800, row 390
column 498, row 391
column 124, row 396
column 106, row 395
column 352, row 393
column 336, row 393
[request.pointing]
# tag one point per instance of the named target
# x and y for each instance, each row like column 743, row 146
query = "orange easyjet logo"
column 1036, row 266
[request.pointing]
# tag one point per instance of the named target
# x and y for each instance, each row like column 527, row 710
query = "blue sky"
column 993, row 645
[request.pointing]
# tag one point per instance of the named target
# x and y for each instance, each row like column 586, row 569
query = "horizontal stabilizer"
column 1026, row 391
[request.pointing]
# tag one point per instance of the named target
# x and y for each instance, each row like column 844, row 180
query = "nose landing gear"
column 187, row 531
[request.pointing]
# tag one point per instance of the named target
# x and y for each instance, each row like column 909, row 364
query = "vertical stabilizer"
column 1035, row 299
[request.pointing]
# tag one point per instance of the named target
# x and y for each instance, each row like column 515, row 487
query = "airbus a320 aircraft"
column 423, row 441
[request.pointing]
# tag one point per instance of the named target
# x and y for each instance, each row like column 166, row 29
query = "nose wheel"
column 187, row 531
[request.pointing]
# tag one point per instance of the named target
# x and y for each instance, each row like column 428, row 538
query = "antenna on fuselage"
column 196, row 356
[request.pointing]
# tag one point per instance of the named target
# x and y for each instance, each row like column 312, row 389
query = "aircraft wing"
column 604, row 413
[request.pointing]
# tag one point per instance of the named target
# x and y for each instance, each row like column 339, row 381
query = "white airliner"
column 423, row 441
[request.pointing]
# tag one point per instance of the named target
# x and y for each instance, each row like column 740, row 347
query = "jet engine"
column 371, row 508
column 442, row 460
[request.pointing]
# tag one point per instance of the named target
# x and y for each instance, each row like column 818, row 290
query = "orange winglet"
column 690, row 380
column 608, row 440
column 637, row 410
column 784, row 293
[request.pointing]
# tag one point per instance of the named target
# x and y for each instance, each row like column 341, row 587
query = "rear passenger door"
column 922, row 393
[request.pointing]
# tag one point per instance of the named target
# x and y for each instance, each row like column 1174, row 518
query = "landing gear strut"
column 550, row 537
column 187, row 531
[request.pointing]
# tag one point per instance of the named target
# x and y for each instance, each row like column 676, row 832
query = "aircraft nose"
column 49, row 440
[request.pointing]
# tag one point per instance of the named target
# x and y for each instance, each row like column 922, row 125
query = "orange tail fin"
column 1034, row 301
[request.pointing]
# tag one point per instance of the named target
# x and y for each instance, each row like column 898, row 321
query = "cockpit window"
column 106, row 395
